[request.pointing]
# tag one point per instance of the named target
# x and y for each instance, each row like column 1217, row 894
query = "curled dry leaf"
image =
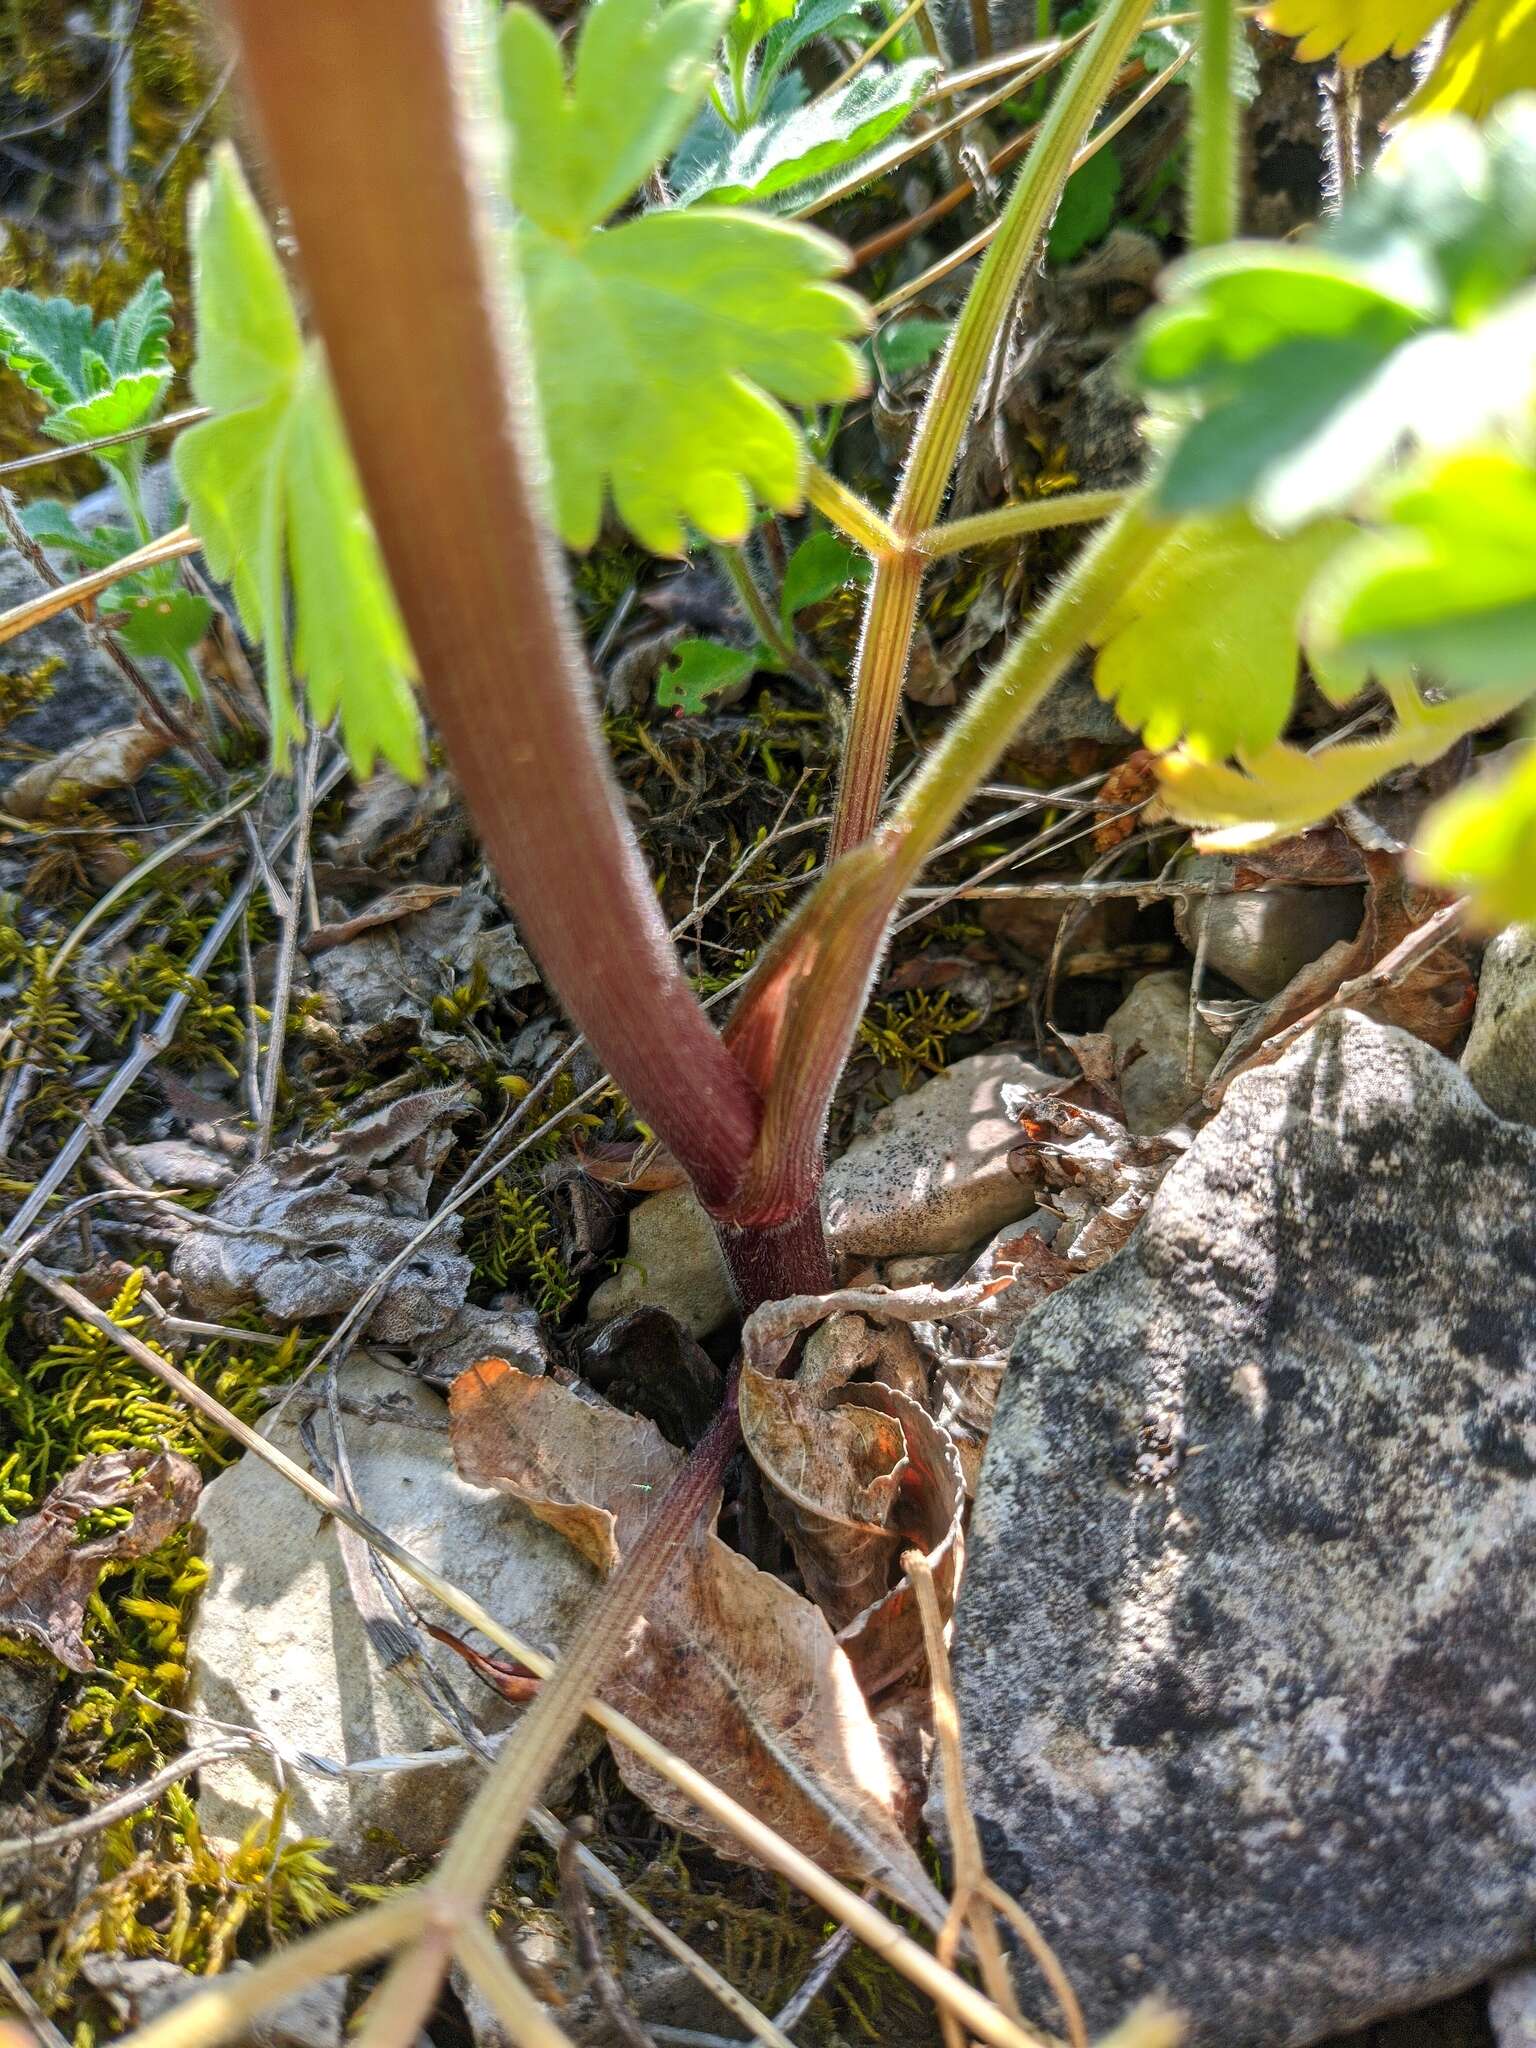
column 562, row 1452
column 1097, row 1174
column 106, row 760
column 387, row 909
column 854, row 1475
column 731, row 1669
column 46, row 1576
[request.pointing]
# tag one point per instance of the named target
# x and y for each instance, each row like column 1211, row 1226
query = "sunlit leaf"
column 803, row 143
column 810, row 21
column 161, row 624
column 1490, row 53
column 125, row 404
column 661, row 344
column 270, row 487
column 1357, row 30
column 1448, row 583
column 1203, row 644
column 751, row 20
column 1482, row 839
column 1279, row 791
column 906, row 346
column 1310, row 367
column 578, row 150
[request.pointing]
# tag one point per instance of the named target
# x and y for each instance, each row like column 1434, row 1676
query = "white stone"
column 1512, row 2009
column 1500, row 1059
column 673, row 1262
column 932, row 1174
column 277, row 1644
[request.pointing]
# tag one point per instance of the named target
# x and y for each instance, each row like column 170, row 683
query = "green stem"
column 891, row 612
column 768, row 629
column 974, row 742
column 1070, row 508
column 1213, row 141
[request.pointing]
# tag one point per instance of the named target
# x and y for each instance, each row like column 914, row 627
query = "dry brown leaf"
column 46, row 1577
column 833, row 1474
column 106, row 760
column 731, row 1669
column 1123, row 794
column 563, row 1452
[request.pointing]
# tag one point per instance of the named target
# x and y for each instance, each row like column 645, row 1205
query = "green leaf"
column 141, row 332
column 906, row 346
column 1482, row 839
column 810, row 21
column 161, row 624
column 1087, row 207
column 52, row 525
column 807, row 142
column 699, row 670
column 656, row 346
column 1203, row 645
column 1309, row 367
column 1449, row 584
column 660, row 344
column 821, row 566
column 53, row 345
column 640, row 70
column 125, row 404
column 751, row 21
column 270, row 486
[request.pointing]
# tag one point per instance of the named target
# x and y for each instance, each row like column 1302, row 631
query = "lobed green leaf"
column 791, row 147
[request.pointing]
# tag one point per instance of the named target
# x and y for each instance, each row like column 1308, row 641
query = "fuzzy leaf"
column 700, row 669
column 906, row 346
column 640, row 70
column 1449, row 584
column 1482, row 838
column 810, row 21
column 802, row 143
column 657, row 343
column 1087, row 207
column 1203, row 645
column 1490, row 53
column 162, row 624
column 141, row 332
column 270, row 486
column 125, row 404
column 1357, row 29
column 52, row 525
column 656, row 346
column 88, row 370
column 751, row 21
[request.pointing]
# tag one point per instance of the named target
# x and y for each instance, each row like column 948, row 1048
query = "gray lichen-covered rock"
column 277, row 1643
column 1162, row 1061
column 87, row 694
column 932, row 1173
column 1246, row 1653
column 1500, row 1059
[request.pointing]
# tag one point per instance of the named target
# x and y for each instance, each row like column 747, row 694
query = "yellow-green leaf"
column 271, row 488
column 1482, row 839
column 1490, row 53
column 1203, row 645
column 1357, row 29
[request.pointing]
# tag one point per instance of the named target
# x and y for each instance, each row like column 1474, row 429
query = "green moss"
column 912, row 1032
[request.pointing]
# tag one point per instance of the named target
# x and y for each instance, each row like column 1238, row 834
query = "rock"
column 1161, row 1073
column 277, row 1643
column 1512, row 2009
column 511, row 1329
column 1243, row 1654
column 673, row 1262
column 1500, row 1059
column 174, row 1163
column 139, row 1989
column 932, row 1173
column 1259, row 938
column 87, row 694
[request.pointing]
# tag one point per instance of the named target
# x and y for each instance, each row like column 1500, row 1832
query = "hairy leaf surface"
column 270, row 486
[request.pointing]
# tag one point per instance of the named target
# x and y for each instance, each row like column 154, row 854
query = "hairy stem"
column 1213, row 138
column 384, row 185
column 891, row 613
column 1035, row 515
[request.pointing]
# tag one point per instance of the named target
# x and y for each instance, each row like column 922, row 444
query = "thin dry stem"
column 525, row 2020
column 36, row 611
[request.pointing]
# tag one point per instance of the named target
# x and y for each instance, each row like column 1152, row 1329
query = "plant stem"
column 385, row 182
column 1036, row 515
column 891, row 613
column 850, row 513
column 975, row 741
column 1213, row 138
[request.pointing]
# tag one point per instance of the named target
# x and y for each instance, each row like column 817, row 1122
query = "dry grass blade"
column 38, row 610
column 526, row 2021
column 215, row 2015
